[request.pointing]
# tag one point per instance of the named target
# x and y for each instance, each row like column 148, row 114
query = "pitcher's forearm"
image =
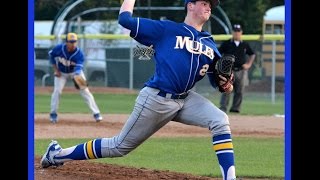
column 127, row 5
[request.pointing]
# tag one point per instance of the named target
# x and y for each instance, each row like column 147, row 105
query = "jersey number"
column 204, row 70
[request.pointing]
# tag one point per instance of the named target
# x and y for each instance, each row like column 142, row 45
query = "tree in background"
column 47, row 9
column 248, row 13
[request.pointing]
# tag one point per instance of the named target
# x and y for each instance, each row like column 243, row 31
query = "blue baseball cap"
column 214, row 3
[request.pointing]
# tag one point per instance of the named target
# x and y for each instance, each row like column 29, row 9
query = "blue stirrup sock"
column 222, row 145
column 88, row 150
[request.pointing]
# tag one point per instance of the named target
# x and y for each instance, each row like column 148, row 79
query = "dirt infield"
column 84, row 126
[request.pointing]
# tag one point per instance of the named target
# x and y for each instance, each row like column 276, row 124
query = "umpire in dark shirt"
column 241, row 50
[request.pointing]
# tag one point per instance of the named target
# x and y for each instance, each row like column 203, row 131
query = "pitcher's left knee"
column 220, row 125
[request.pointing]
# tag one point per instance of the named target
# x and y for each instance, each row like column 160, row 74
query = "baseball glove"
column 223, row 73
column 79, row 82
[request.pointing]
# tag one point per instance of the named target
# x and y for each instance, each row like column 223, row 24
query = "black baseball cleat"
column 234, row 111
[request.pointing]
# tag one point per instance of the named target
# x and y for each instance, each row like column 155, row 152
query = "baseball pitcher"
column 67, row 62
column 184, row 54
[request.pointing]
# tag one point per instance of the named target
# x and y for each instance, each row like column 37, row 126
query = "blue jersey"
column 67, row 62
column 182, row 55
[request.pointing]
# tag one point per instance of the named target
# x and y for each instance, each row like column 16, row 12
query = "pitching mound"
column 84, row 170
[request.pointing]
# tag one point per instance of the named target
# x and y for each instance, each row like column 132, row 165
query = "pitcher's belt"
column 173, row 96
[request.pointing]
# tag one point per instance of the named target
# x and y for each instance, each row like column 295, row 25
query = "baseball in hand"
column 229, row 90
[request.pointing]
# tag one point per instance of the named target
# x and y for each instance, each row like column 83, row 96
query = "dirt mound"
column 84, row 170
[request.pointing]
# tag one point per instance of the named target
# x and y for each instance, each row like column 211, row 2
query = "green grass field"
column 253, row 104
column 255, row 157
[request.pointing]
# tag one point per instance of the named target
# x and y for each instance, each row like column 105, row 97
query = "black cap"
column 214, row 3
column 237, row 27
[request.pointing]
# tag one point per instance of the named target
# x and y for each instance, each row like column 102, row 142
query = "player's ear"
column 188, row 5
